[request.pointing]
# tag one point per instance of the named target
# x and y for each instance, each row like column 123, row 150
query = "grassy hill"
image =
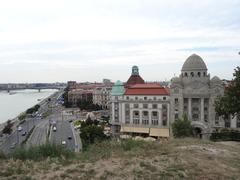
column 175, row 159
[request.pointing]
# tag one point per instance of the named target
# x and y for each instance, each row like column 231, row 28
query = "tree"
column 7, row 128
column 91, row 132
column 182, row 127
column 229, row 103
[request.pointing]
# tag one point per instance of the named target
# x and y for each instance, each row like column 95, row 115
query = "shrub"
column 7, row 128
column 182, row 127
column 42, row 152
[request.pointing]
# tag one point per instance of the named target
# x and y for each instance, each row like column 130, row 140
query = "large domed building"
column 193, row 93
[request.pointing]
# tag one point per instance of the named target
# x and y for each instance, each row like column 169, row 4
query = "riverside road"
column 41, row 126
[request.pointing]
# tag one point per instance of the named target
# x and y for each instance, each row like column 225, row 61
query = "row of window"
column 146, row 98
column 192, row 74
column 145, row 106
column 154, row 122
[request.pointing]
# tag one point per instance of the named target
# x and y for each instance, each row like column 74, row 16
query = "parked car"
column 24, row 133
column 54, row 128
column 64, row 143
column 69, row 137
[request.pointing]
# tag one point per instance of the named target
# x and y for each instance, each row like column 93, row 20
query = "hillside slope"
column 175, row 159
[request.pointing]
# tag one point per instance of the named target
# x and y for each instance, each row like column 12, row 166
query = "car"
column 54, row 128
column 19, row 128
column 70, row 120
column 64, row 143
column 24, row 133
column 69, row 137
column 13, row 145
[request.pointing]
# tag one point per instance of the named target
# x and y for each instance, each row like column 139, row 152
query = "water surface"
column 15, row 102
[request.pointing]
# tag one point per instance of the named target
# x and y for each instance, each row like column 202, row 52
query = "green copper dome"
column 118, row 89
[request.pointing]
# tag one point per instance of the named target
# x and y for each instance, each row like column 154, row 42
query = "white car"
column 19, row 128
column 64, row 143
column 54, row 128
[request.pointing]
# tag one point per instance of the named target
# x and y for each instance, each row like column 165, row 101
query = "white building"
column 141, row 109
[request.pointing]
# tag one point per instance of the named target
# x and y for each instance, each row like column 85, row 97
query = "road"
column 62, row 133
column 39, row 132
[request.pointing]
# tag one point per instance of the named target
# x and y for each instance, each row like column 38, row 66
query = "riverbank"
column 16, row 121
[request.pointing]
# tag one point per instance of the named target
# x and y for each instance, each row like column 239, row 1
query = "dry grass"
column 176, row 159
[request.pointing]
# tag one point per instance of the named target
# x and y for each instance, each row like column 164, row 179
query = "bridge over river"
column 37, row 86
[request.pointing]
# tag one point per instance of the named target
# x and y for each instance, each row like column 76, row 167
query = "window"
column 186, row 74
column 155, row 122
column 135, row 121
column 204, row 73
column 145, row 113
column 176, row 100
column 135, row 105
column 176, row 116
column 127, row 97
column 145, row 98
column 136, row 113
column 164, row 98
column 145, row 106
column 127, row 106
column 164, row 122
column 154, row 106
column 192, row 74
column 154, row 98
column 199, row 74
column 116, row 97
column 145, row 121
column 154, row 114
column 136, row 98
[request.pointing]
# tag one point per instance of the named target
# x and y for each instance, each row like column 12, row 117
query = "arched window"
column 199, row 74
column 186, row 74
column 204, row 73
column 192, row 74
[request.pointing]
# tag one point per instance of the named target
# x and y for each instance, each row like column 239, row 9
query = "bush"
column 91, row 132
column 225, row 135
column 7, row 128
column 42, row 152
column 182, row 128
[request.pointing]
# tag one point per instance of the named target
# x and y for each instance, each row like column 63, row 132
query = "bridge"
column 37, row 86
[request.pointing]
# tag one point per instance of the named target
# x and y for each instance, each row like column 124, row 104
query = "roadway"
column 39, row 134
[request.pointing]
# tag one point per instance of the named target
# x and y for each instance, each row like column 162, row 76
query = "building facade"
column 140, row 109
column 193, row 93
column 76, row 95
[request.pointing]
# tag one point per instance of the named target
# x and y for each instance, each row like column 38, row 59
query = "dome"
column 194, row 62
column 215, row 79
column 117, row 89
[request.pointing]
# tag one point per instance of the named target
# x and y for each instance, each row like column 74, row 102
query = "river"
column 15, row 102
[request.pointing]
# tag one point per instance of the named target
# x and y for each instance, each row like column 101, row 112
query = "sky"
column 61, row 40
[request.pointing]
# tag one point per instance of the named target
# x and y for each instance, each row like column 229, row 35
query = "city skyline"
column 63, row 40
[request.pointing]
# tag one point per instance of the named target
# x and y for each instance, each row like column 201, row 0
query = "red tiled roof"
column 134, row 79
column 147, row 89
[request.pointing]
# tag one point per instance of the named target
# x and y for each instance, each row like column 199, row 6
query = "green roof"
column 117, row 89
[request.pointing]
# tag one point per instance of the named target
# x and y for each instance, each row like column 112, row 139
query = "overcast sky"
column 61, row 40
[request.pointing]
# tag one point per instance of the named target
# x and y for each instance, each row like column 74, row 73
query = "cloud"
column 72, row 35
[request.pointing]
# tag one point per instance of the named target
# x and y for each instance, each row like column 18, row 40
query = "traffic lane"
column 39, row 135
column 62, row 133
column 66, row 133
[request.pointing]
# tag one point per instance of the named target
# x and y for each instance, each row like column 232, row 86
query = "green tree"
column 229, row 103
column 7, row 128
column 182, row 127
column 91, row 132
